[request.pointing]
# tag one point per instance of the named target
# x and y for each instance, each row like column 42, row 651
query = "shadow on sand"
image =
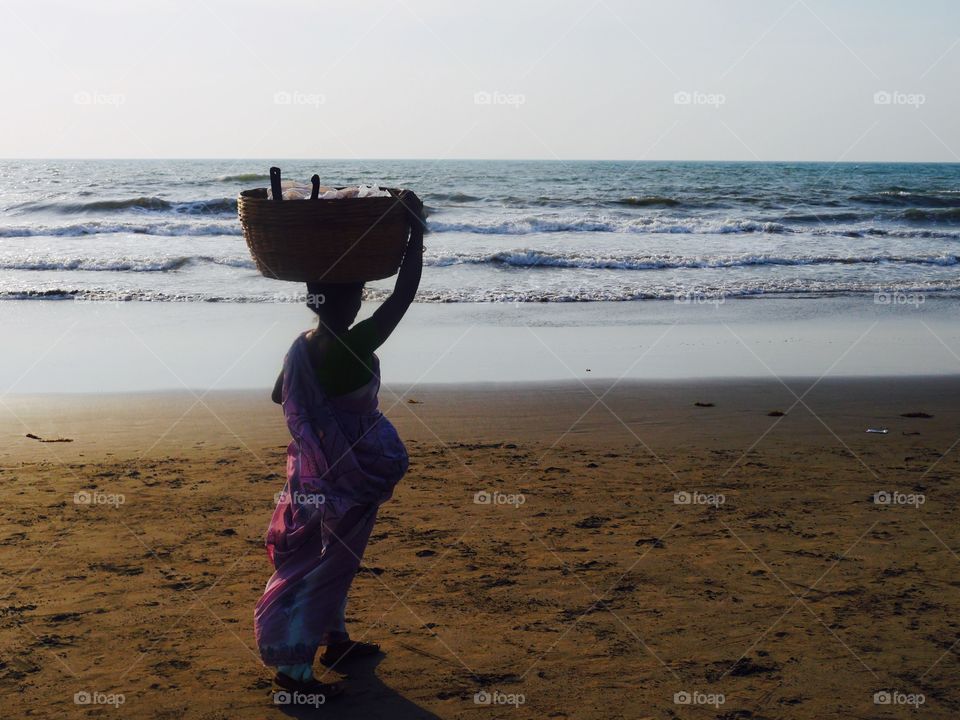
column 366, row 698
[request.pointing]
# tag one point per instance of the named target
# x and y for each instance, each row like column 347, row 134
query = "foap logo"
column 313, row 700
column 495, row 697
column 895, row 97
column 898, row 498
column 484, row 497
column 92, row 697
column 898, row 297
column 698, row 498
column 895, row 697
column 297, row 298
column 697, row 97
column 300, row 499
column 484, row 97
column 698, row 298
column 696, row 697
column 297, row 97
column 89, row 97
column 95, row 497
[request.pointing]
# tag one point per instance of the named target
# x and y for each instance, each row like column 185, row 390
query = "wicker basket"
column 349, row 240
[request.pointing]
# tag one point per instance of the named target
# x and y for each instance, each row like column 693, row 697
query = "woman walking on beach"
column 342, row 464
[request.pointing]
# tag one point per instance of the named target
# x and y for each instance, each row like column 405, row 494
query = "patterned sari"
column 342, row 464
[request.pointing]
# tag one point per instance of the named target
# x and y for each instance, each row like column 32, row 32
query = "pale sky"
column 604, row 79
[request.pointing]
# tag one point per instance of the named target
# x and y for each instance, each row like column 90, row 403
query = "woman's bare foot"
column 298, row 673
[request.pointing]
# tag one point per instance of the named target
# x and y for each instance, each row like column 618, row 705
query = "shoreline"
column 92, row 347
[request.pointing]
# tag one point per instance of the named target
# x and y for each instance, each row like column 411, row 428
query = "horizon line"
column 476, row 159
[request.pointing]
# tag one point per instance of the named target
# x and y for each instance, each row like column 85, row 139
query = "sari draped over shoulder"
column 343, row 462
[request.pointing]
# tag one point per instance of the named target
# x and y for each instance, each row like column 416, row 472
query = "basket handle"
column 275, row 186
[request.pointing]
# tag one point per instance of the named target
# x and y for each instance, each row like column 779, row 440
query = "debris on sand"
column 655, row 542
column 594, row 521
column 59, row 439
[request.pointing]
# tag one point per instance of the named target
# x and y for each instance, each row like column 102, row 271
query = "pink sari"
column 342, row 464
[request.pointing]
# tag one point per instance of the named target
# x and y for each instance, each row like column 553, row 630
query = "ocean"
column 500, row 231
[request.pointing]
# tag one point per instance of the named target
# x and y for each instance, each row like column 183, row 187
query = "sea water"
column 500, row 231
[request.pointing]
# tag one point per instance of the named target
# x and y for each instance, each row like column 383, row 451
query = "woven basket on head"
column 349, row 240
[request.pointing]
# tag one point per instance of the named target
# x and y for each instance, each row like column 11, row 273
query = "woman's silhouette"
column 343, row 462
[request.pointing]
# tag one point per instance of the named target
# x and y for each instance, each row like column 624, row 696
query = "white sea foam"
column 520, row 259
column 572, row 293
column 544, row 224
column 121, row 264
column 528, row 258
column 97, row 227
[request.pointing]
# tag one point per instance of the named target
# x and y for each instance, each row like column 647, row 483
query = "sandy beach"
column 554, row 551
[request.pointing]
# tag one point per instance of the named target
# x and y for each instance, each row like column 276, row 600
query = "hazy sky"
column 606, row 79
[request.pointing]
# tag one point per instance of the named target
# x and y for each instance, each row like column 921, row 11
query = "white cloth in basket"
column 293, row 190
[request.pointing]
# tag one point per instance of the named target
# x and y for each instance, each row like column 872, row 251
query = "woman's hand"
column 414, row 207
column 277, row 395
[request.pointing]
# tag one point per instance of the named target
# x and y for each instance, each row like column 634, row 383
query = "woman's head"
column 336, row 304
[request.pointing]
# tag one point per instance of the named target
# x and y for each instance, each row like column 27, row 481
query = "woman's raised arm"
column 389, row 314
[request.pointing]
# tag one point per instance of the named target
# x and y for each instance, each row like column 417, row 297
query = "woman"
column 342, row 464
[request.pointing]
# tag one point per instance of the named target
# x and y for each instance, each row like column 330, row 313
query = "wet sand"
column 623, row 550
